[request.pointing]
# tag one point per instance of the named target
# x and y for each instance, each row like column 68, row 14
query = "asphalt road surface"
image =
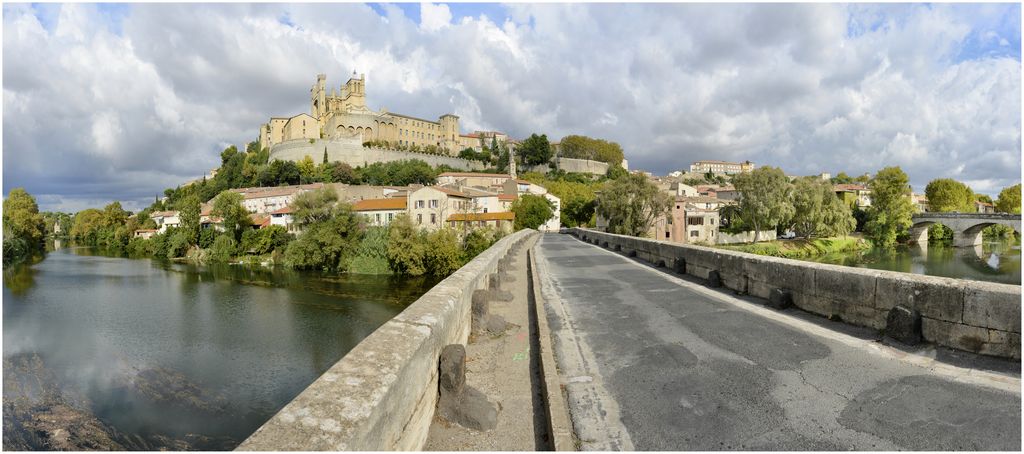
column 656, row 361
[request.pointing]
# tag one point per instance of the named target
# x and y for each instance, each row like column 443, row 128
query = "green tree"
column 265, row 240
column 765, row 198
column 583, row 147
column 23, row 227
column 632, row 204
column 535, row 150
column 189, row 214
column 532, row 211
column 307, row 170
column 398, row 173
column 279, row 173
column 314, row 206
column 234, row 217
column 1009, row 200
column 406, row 249
column 443, row 255
column 477, row 241
column 344, row 173
column 224, row 247
column 615, row 172
column 328, row 244
column 891, row 209
column 817, row 210
column 945, row 194
column 842, row 178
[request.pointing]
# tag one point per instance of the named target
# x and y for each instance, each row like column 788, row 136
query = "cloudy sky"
column 118, row 102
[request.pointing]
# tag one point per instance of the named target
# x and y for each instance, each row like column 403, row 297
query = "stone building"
column 723, row 167
column 344, row 114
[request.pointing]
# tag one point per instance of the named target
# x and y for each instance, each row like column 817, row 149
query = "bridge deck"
column 655, row 362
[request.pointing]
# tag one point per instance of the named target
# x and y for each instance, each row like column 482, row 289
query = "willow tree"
column 632, row 204
column 765, row 198
column 817, row 210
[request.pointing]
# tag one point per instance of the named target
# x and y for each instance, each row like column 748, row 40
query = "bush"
column 206, row 237
column 371, row 256
column 532, row 211
column 443, row 254
column 477, row 241
column 264, row 240
column 224, row 247
column 178, row 243
column 139, row 247
column 327, row 245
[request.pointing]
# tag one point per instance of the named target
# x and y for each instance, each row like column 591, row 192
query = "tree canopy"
column 228, row 206
column 535, row 150
column 1009, row 200
column 946, row 194
column 891, row 209
column 632, row 204
column 765, row 198
column 583, row 147
column 532, row 211
column 817, row 210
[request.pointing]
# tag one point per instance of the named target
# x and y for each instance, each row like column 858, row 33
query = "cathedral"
column 336, row 115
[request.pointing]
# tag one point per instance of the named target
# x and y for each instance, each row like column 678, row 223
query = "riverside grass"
column 797, row 249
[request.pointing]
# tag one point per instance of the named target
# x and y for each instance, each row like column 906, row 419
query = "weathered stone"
column 903, row 325
column 452, row 369
column 714, row 279
column 618, row 248
column 632, row 253
column 845, row 284
column 604, row 244
column 457, row 402
column 679, row 265
column 994, row 306
column 481, row 310
column 780, row 299
column 934, row 297
column 660, row 264
column 496, row 324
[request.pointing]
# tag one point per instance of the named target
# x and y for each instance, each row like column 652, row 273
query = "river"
column 993, row 261
column 105, row 352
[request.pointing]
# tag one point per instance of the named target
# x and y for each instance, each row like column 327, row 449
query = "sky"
column 118, row 102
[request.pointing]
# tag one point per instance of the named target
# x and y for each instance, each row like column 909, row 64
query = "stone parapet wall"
column 352, row 152
column 743, row 237
column 980, row 317
column 381, row 396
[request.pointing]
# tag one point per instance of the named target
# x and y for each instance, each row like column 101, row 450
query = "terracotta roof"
column 978, row 202
column 698, row 199
column 498, row 216
column 451, row 192
column 394, row 203
column 285, row 210
column 205, row 209
column 163, row 214
column 507, row 196
column 146, row 230
column 849, row 187
column 261, row 220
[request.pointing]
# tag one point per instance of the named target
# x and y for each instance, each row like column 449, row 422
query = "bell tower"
column 318, row 97
column 355, row 92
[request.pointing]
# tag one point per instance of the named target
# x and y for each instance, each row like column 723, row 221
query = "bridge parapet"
column 944, row 215
column 967, row 227
column 381, row 395
column 980, row 317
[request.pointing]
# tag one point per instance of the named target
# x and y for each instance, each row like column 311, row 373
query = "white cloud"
column 91, row 114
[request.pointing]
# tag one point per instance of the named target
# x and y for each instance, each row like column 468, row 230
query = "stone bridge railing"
column 381, row 396
column 981, row 317
column 967, row 227
column 980, row 216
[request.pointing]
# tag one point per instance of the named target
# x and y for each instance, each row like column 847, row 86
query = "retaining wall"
column 351, row 152
column 743, row 237
column 572, row 165
column 381, row 396
column 980, row 317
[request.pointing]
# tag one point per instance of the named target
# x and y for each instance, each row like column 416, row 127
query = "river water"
column 997, row 261
column 140, row 354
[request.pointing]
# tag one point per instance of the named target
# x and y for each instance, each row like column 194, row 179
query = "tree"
column 477, row 241
column 535, row 150
column 223, row 248
column 765, row 198
column 23, row 226
column 234, row 217
column 307, row 169
column 406, row 250
column 945, row 194
column 583, row 147
column 891, row 209
column 264, row 240
column 1009, row 200
column 325, row 155
column 344, row 173
column 632, row 204
column 842, row 178
column 615, row 172
column 189, row 213
column 279, row 173
column 532, row 211
column 817, row 210
column 398, row 173
column 329, row 244
column 443, row 255
column 314, row 206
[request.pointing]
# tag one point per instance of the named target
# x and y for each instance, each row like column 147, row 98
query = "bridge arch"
column 967, row 227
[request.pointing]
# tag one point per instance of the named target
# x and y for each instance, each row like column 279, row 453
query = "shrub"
column 405, row 250
column 206, row 237
column 178, row 243
column 264, row 240
column 224, row 247
column 477, row 241
column 443, row 254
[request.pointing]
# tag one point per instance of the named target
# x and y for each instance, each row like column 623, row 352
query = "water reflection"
column 175, row 356
column 994, row 261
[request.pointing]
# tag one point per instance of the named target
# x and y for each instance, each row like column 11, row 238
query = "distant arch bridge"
column 966, row 227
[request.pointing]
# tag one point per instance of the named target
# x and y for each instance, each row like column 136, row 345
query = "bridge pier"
column 919, row 234
column 966, row 238
column 966, row 227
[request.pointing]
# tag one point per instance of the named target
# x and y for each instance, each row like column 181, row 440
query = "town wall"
column 980, row 317
column 573, row 165
column 743, row 237
column 381, row 395
column 352, row 152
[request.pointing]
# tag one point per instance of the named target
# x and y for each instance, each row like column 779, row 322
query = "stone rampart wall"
column 981, row 317
column 381, row 396
column 573, row 165
column 352, row 152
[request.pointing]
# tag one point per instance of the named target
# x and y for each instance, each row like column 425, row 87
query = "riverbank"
column 802, row 248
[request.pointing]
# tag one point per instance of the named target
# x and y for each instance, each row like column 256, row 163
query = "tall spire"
column 512, row 163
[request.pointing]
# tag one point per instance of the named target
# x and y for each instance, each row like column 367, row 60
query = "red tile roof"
column 285, row 210
column 499, row 216
column 394, row 203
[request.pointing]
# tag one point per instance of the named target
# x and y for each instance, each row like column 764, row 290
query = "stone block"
column 452, row 368
column 993, row 306
column 714, row 279
column 632, row 253
column 936, row 298
column 845, row 285
column 955, row 335
column 679, row 265
column 780, row 299
column 903, row 325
